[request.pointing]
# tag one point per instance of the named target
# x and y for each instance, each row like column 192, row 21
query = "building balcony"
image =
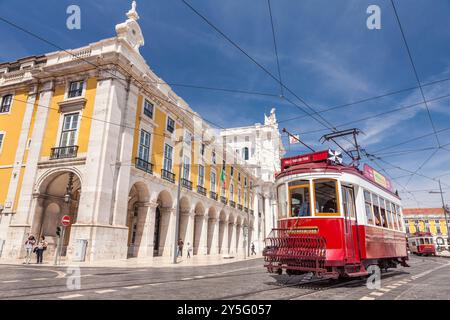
column 167, row 175
column 223, row 199
column 213, row 195
column 239, row 206
column 64, row 152
column 232, row 204
column 186, row 183
column 201, row 190
column 252, row 212
column 246, row 209
column 143, row 165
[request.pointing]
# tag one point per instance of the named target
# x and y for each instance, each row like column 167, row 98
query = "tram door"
column 348, row 201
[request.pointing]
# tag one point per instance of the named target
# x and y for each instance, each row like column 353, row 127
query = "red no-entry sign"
column 65, row 221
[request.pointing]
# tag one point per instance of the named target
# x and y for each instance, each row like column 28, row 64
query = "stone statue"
column 271, row 119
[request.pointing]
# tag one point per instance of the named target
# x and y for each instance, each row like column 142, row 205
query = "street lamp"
column 445, row 208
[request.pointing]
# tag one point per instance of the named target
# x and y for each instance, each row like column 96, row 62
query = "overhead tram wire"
column 327, row 109
column 381, row 114
column 275, row 46
column 329, row 126
column 415, row 71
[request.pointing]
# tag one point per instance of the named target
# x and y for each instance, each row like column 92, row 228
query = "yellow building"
column 431, row 220
column 95, row 134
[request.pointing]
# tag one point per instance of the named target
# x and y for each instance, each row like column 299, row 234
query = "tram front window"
column 299, row 199
column 326, row 196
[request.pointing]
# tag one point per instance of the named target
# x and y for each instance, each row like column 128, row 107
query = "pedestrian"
column 253, row 249
column 180, row 248
column 189, row 250
column 40, row 248
column 29, row 244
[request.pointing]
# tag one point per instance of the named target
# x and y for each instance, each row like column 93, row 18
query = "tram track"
column 117, row 284
column 313, row 286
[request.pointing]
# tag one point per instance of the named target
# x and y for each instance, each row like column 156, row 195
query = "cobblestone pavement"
column 427, row 278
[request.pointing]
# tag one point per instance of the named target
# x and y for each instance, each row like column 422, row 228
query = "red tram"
column 422, row 244
column 334, row 220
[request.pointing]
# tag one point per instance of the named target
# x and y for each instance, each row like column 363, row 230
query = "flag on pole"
column 294, row 138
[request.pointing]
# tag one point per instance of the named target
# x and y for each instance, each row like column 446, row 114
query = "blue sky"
column 327, row 56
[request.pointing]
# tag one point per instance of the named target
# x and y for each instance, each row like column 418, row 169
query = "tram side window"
column 348, row 201
column 399, row 217
column 299, row 198
column 368, row 204
column 389, row 215
column 376, row 210
column 326, row 196
column 383, row 213
column 394, row 217
column 282, row 201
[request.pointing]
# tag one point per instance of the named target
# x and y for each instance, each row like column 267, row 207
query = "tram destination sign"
column 377, row 177
column 304, row 158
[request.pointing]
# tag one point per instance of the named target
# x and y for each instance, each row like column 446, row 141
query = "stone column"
column 167, row 236
column 214, row 223
column 203, row 243
column 20, row 222
column 147, row 214
column 224, row 247
column 268, row 215
column 189, row 237
column 21, row 147
column 232, row 238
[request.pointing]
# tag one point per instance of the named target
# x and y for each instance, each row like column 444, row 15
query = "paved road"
column 428, row 278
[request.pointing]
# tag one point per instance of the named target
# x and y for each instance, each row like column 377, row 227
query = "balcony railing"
column 167, row 175
column 64, row 152
column 186, row 183
column 223, row 199
column 239, row 206
column 246, row 209
column 144, row 165
column 201, row 190
column 213, row 195
column 232, row 204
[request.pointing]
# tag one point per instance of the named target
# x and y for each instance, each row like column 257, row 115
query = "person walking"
column 41, row 247
column 189, row 250
column 253, row 249
column 180, row 248
column 29, row 245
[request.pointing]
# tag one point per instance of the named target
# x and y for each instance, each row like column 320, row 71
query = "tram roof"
column 318, row 162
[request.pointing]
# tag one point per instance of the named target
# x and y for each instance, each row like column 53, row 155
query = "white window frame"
column 143, row 108
column 61, row 123
column 213, row 186
column 167, row 124
column 186, row 164
column 164, row 157
column 149, row 144
column 201, row 178
column 10, row 106
column 2, row 141
column 83, row 92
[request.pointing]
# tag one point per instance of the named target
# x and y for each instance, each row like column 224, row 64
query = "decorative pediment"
column 71, row 105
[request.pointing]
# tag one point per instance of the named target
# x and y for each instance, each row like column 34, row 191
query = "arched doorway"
column 161, row 241
column 59, row 195
column 137, row 212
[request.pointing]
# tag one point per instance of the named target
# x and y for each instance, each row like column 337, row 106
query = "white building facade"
column 261, row 148
column 95, row 134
